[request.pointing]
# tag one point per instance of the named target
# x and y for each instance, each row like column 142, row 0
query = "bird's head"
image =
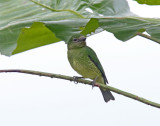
column 77, row 43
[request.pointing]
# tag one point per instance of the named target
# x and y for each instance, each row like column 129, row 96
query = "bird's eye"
column 74, row 39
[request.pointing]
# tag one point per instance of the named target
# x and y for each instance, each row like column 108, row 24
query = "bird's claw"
column 75, row 79
column 93, row 82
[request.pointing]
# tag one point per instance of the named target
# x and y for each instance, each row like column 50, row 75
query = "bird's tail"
column 107, row 95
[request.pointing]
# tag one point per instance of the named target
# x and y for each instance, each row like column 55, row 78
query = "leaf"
column 154, row 31
column 126, row 27
column 34, row 36
column 122, row 28
column 148, row 2
column 91, row 26
column 67, row 28
column 64, row 19
column 8, row 38
column 27, row 24
column 91, row 8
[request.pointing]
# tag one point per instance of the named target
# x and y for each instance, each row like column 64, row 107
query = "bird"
column 85, row 62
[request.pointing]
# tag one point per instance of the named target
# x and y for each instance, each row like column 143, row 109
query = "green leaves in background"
column 67, row 28
column 149, row 2
column 126, row 27
column 27, row 24
column 64, row 19
column 35, row 36
column 91, row 26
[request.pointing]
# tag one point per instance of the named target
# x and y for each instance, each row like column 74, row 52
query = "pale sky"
column 133, row 66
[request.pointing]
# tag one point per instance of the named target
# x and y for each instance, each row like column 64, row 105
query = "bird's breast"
column 81, row 63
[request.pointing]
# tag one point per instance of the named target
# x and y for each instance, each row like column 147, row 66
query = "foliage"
column 149, row 2
column 27, row 24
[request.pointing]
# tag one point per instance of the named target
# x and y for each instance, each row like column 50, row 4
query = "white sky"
column 133, row 66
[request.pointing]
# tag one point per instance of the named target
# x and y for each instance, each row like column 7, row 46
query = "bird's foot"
column 94, row 82
column 75, row 79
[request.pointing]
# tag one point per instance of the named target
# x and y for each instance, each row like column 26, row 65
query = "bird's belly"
column 86, row 68
column 82, row 64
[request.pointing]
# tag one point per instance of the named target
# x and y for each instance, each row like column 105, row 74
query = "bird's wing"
column 93, row 57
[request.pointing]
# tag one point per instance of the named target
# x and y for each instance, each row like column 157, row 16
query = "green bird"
column 85, row 62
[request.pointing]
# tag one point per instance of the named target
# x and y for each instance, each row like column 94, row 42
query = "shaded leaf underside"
column 27, row 24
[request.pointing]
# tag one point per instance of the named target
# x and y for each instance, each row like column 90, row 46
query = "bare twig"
column 124, row 93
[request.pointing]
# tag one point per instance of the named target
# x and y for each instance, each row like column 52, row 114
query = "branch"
column 124, row 93
column 148, row 37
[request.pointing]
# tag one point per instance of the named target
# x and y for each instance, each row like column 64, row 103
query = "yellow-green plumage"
column 85, row 62
column 81, row 63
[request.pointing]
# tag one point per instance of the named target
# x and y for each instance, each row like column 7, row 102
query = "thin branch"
column 55, row 10
column 124, row 93
column 148, row 37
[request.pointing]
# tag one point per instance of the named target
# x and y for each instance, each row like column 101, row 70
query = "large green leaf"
column 63, row 18
column 149, row 2
column 35, row 36
column 97, row 7
column 27, row 24
column 91, row 26
column 126, row 28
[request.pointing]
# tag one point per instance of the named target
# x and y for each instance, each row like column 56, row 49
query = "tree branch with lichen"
column 51, row 75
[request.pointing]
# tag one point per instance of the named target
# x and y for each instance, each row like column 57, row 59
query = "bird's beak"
column 84, row 39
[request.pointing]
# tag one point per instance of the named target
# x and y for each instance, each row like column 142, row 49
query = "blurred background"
column 133, row 66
